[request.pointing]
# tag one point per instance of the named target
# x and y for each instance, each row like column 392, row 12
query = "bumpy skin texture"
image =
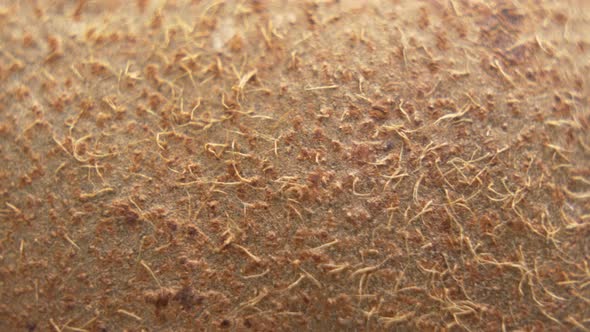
column 294, row 165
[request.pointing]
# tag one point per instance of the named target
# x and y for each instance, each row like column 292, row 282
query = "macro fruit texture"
column 294, row 165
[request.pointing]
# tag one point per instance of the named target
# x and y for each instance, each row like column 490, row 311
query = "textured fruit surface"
column 294, row 165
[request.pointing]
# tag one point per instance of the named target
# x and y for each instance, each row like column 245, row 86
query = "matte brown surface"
column 294, row 165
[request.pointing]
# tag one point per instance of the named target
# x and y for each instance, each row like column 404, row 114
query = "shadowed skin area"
column 294, row 165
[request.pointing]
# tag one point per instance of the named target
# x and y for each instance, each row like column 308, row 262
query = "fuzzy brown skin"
column 294, row 165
